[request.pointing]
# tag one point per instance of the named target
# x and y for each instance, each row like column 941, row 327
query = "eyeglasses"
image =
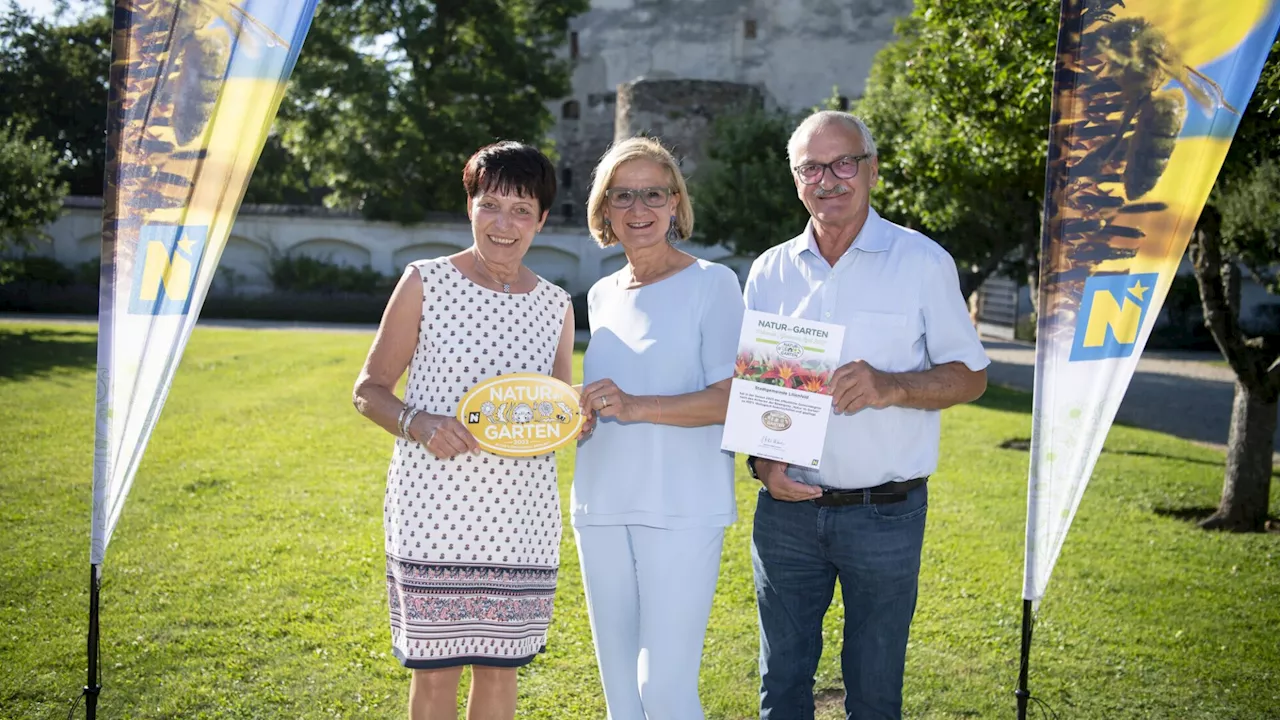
column 623, row 198
column 845, row 168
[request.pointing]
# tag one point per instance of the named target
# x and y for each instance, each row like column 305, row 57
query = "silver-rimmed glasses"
column 844, row 167
column 623, row 198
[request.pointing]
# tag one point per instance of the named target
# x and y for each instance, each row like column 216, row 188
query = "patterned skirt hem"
column 460, row 661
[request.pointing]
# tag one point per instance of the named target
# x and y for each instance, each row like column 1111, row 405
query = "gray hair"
column 823, row 118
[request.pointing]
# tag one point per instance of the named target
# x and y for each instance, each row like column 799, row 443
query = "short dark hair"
column 511, row 167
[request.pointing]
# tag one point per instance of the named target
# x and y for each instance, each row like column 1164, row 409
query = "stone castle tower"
column 668, row 67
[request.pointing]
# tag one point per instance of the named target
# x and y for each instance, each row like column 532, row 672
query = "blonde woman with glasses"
column 652, row 491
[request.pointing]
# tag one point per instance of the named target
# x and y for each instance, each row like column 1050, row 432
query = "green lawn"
column 245, row 579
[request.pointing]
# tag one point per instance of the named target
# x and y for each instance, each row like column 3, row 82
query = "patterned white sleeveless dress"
column 473, row 544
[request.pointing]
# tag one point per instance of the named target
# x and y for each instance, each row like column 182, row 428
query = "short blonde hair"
column 636, row 148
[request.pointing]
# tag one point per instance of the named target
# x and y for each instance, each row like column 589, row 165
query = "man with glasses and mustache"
column 909, row 351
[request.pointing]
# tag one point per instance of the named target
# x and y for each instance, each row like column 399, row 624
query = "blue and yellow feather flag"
column 1147, row 96
column 194, row 88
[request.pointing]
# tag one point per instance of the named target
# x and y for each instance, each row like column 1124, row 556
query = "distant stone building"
column 787, row 54
column 680, row 112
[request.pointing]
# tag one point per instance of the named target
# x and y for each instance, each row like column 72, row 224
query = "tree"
column 744, row 194
column 1241, row 225
column 282, row 178
column 390, row 97
column 960, row 105
column 53, row 78
column 30, row 189
column 387, row 101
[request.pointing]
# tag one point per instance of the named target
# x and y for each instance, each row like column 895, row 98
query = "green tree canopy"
column 744, row 194
column 1248, row 190
column 53, row 78
column 390, row 97
column 960, row 108
column 31, row 190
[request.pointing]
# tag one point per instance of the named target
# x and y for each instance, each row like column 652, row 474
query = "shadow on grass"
column 1024, row 445
column 1196, row 514
column 1005, row 400
column 26, row 353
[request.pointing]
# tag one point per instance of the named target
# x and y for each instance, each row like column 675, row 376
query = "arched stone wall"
column 342, row 252
column 245, row 267
column 612, row 264
column 88, row 247
column 552, row 264
column 559, row 253
column 422, row 251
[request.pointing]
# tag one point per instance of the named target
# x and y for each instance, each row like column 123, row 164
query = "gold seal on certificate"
column 780, row 399
column 521, row 414
column 776, row 420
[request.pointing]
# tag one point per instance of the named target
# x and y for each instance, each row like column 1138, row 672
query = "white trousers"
column 649, row 593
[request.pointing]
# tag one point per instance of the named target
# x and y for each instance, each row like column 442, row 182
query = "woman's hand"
column 443, row 436
column 588, row 424
column 605, row 399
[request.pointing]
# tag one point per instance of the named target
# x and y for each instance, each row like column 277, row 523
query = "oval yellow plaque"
column 521, row 414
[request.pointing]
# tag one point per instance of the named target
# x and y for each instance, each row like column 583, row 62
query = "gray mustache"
column 837, row 190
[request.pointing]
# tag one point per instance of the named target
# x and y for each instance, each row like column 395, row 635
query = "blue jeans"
column 797, row 551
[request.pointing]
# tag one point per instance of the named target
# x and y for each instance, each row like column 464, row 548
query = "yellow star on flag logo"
column 1138, row 290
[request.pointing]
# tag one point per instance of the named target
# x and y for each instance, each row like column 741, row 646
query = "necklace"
column 506, row 286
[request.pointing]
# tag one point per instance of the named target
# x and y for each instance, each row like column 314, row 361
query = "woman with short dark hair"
column 472, row 539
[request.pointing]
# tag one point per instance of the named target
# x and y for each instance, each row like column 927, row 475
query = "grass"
column 245, row 578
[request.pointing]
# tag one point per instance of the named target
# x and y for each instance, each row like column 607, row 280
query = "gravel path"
column 1179, row 393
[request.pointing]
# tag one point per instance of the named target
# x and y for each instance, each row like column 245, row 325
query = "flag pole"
column 1022, row 693
column 92, row 688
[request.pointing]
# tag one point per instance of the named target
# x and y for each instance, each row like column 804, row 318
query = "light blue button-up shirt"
column 897, row 294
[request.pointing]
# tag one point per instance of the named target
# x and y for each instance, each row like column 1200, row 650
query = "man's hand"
column 857, row 385
column 773, row 475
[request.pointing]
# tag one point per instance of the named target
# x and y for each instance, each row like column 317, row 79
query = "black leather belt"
column 890, row 492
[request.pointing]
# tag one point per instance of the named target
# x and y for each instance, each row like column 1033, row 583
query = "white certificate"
column 781, row 396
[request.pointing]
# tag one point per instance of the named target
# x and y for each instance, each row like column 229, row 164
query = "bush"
column 88, row 272
column 36, row 270
column 327, row 307
column 44, row 285
column 305, row 274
